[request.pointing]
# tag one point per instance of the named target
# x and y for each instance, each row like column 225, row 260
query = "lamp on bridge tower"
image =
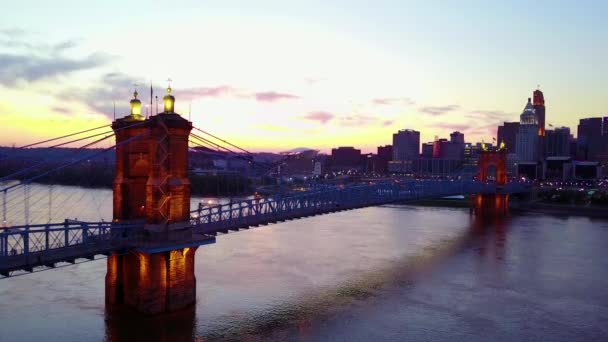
column 136, row 107
column 169, row 101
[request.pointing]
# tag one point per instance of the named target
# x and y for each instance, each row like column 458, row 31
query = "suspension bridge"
column 152, row 235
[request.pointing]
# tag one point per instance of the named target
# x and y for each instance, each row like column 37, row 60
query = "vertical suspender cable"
column 26, row 203
column 50, row 202
column 4, row 206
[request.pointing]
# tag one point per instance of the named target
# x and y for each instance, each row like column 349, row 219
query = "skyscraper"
column 589, row 136
column 406, row 145
column 539, row 109
column 427, row 150
column 508, row 133
column 527, row 136
column 558, row 142
column 457, row 137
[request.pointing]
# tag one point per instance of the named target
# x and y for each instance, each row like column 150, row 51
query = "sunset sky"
column 276, row 75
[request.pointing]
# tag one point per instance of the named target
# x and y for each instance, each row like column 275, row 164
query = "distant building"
column 457, row 137
column 558, row 142
column 406, row 145
column 507, row 133
column 345, row 158
column 427, row 150
column 471, row 155
column 385, row 154
column 539, row 110
column 444, row 149
column 425, row 166
column 605, row 126
column 527, row 135
column 590, row 140
column 573, row 147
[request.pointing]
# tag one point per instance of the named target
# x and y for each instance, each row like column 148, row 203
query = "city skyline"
column 274, row 77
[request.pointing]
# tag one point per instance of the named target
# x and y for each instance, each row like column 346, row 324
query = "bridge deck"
column 26, row 247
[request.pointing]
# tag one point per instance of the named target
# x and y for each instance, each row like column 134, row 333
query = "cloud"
column 205, row 92
column 14, row 68
column 357, row 120
column 320, row 116
column 12, row 32
column 271, row 96
column 26, row 61
column 452, row 126
column 389, row 101
column 494, row 115
column 109, row 88
column 226, row 90
column 61, row 110
column 438, row 110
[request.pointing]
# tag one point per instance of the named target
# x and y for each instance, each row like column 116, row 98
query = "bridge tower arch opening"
column 152, row 191
column 492, row 168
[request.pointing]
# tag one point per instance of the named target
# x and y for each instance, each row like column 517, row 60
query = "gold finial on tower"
column 169, row 100
column 136, row 105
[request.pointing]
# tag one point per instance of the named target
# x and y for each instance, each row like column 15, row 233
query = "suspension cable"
column 71, row 163
column 222, row 140
column 64, row 136
column 20, row 172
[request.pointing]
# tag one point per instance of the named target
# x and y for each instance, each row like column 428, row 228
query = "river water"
column 396, row 273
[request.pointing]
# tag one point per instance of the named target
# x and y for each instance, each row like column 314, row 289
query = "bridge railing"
column 25, row 240
column 256, row 211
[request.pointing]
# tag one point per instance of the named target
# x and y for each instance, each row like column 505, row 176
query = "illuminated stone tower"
column 152, row 191
column 151, row 181
column 496, row 203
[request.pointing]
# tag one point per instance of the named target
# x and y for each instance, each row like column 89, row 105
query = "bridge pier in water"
column 497, row 203
column 152, row 188
column 490, row 204
column 152, row 283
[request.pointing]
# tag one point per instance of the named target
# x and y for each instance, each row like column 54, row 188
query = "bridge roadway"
column 24, row 248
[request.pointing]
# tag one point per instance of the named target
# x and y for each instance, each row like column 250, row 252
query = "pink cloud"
column 438, row 110
column 389, row 101
column 320, row 116
column 357, row 120
column 452, row 126
column 271, row 96
column 225, row 90
column 205, row 92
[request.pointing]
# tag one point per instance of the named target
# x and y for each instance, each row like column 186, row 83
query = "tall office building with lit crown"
column 527, row 136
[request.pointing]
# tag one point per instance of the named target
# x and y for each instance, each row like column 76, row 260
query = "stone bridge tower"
column 152, row 189
column 498, row 202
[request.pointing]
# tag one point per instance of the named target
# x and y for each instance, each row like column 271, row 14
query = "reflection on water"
column 384, row 273
column 125, row 325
